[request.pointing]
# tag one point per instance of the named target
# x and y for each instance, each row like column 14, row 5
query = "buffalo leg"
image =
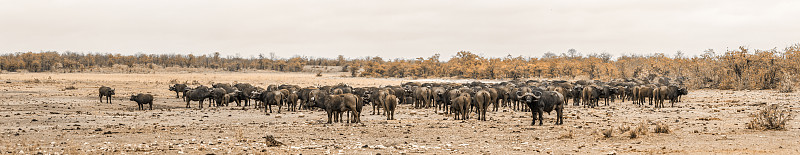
column 533, row 117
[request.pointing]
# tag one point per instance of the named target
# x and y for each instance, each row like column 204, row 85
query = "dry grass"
column 624, row 128
column 661, row 128
column 567, row 135
column 239, row 135
column 608, row 133
column 771, row 117
column 639, row 131
column 271, row 142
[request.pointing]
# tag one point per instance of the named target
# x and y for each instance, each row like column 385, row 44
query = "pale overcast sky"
column 392, row 29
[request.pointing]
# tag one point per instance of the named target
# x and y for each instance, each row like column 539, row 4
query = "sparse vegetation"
column 567, row 135
column 639, row 131
column 608, row 133
column 787, row 84
column 738, row 69
column 771, row 117
column 271, row 142
column 661, row 128
column 623, row 128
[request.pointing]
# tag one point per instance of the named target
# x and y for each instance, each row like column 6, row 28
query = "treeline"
column 741, row 68
column 79, row 62
column 736, row 69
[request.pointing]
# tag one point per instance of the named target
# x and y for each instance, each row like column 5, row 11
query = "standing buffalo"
column 493, row 98
column 216, row 95
column 305, row 95
column 564, row 92
column 106, row 92
column 377, row 100
column 503, row 95
column 245, row 91
column 482, row 100
column 335, row 105
column 178, row 88
column 422, row 97
column 460, row 106
column 142, row 99
column 449, row 97
column 291, row 101
column 270, row 98
column 389, row 104
column 544, row 101
column 197, row 94
column 607, row 94
column 671, row 93
column 577, row 94
column 437, row 95
column 645, row 92
column 590, row 96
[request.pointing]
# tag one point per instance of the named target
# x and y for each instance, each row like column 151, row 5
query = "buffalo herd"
column 458, row 100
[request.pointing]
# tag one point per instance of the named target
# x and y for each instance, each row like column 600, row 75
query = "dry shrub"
column 639, row 131
column 787, row 84
column 608, row 133
column 661, row 128
column 772, row 117
column 623, row 128
column 633, row 134
column 567, row 135
column 271, row 142
column 319, row 74
column 35, row 80
column 70, row 88
column 239, row 135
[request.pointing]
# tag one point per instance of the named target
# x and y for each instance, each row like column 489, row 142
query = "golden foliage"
column 741, row 68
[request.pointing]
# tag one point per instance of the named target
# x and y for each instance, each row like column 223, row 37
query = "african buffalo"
column 106, row 92
column 544, row 101
column 142, row 99
column 178, row 88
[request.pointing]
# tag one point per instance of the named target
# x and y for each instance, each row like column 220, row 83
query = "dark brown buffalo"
column 142, row 99
column 590, row 96
column 272, row 98
column 460, row 106
column 178, row 88
column 197, row 94
column 481, row 100
column 645, row 93
column 544, row 101
column 216, row 95
column 389, row 105
column 336, row 105
column 106, row 92
column 291, row 101
column 422, row 97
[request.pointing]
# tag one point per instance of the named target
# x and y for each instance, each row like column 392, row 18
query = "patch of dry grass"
column 567, row 135
column 623, row 128
column 771, row 117
column 661, row 128
column 608, row 133
column 639, row 131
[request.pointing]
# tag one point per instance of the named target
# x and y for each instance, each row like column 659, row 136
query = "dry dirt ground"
column 38, row 115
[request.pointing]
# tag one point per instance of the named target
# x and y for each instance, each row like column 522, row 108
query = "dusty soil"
column 40, row 115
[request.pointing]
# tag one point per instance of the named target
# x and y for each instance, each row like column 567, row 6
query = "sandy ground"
column 40, row 116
